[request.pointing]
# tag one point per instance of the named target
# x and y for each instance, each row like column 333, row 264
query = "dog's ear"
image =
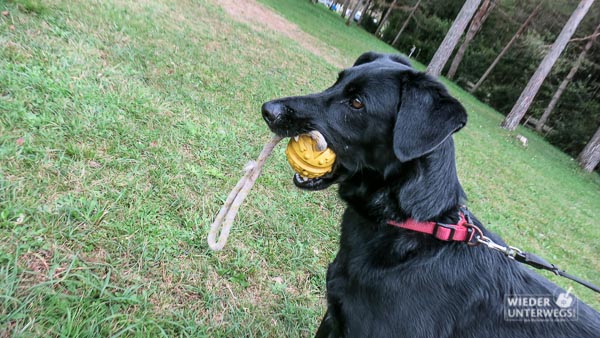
column 400, row 59
column 372, row 56
column 366, row 58
column 427, row 116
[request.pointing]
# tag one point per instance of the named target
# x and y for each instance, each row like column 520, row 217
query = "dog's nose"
column 271, row 111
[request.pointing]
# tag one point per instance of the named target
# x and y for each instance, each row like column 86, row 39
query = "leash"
column 307, row 154
column 224, row 220
column 533, row 260
column 467, row 232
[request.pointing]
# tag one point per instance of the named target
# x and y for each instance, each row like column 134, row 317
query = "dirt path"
column 261, row 17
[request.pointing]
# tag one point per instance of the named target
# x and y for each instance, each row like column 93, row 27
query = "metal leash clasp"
column 508, row 251
column 477, row 238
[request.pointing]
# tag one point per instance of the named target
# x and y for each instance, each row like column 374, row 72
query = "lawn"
column 124, row 125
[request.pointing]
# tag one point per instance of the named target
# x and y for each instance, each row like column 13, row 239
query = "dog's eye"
column 356, row 103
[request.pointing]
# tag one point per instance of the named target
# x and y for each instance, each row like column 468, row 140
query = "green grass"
column 123, row 126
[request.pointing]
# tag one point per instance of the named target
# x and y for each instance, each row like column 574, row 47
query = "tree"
column 385, row 17
column 456, row 30
column 590, row 155
column 506, row 48
column 566, row 81
column 345, row 8
column 360, row 20
column 578, row 109
column 482, row 14
column 535, row 82
column 412, row 12
column 354, row 10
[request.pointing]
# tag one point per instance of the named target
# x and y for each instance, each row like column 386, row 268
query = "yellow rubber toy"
column 306, row 159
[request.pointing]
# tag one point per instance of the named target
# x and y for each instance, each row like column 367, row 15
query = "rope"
column 226, row 215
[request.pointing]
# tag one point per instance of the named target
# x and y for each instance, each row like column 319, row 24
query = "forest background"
column 417, row 27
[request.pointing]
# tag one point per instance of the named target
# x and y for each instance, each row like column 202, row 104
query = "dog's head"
column 379, row 111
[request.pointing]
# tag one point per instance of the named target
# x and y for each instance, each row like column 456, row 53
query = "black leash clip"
column 535, row 261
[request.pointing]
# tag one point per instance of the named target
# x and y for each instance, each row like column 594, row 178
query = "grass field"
column 123, row 126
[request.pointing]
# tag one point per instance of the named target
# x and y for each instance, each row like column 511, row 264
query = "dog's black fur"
column 390, row 127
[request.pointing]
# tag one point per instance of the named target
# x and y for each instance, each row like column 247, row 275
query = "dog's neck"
column 425, row 189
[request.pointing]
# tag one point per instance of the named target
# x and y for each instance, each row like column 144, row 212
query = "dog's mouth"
column 312, row 160
column 313, row 183
column 318, row 183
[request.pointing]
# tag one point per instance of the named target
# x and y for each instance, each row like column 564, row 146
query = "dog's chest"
column 378, row 277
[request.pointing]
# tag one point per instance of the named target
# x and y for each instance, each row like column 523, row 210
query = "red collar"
column 463, row 231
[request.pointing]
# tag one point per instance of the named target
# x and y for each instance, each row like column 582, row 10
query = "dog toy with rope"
column 307, row 154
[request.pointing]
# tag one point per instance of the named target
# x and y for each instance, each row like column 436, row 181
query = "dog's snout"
column 271, row 111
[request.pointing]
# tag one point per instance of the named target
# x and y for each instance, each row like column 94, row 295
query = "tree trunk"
column 590, row 155
column 345, row 8
column 506, row 48
column 447, row 46
column 520, row 108
column 482, row 14
column 412, row 12
column 364, row 12
column 385, row 17
column 383, row 14
column 354, row 10
column 565, row 82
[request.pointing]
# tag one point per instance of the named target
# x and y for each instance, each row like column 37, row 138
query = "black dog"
column 390, row 127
